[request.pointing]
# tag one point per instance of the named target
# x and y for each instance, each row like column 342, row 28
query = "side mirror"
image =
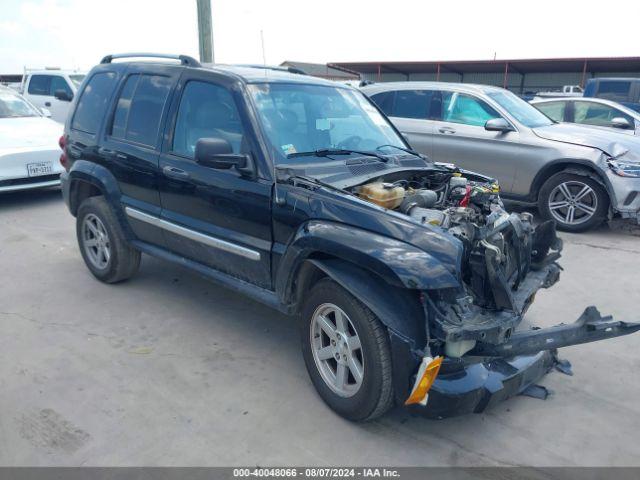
column 46, row 112
column 498, row 125
column 217, row 153
column 621, row 122
column 63, row 95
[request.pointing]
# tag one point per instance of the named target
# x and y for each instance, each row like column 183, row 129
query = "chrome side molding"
column 193, row 235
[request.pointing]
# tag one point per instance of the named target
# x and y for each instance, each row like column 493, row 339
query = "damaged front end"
column 474, row 353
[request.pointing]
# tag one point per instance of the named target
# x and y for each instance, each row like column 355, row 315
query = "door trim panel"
column 193, row 235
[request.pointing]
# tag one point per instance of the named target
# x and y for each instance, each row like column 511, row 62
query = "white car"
column 29, row 150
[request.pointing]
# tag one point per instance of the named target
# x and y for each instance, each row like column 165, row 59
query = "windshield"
column 11, row 105
column 77, row 79
column 308, row 118
column 523, row 112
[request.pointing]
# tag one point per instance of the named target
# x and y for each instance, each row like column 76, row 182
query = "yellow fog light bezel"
column 427, row 374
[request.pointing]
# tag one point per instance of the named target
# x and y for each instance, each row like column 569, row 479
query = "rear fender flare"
column 102, row 179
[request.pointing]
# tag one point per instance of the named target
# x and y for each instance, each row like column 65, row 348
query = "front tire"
column 346, row 351
column 102, row 244
column 575, row 202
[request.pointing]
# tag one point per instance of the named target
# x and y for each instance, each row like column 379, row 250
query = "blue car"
column 622, row 90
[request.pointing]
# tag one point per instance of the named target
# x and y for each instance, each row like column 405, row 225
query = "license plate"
column 37, row 169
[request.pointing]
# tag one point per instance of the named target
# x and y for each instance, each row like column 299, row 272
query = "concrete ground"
column 169, row 369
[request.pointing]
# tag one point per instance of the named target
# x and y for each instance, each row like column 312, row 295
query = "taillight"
column 64, row 161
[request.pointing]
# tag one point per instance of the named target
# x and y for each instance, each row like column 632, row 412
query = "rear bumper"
column 479, row 386
column 27, row 183
column 65, row 184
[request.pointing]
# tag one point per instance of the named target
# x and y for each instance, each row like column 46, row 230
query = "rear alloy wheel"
column 346, row 351
column 102, row 243
column 576, row 202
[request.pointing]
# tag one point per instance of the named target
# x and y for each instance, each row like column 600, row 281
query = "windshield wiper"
column 408, row 150
column 325, row 152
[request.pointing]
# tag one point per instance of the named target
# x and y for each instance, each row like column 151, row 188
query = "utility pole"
column 205, row 31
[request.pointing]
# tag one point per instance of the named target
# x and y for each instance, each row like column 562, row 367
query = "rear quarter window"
column 93, row 102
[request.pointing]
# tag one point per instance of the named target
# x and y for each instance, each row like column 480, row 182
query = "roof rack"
column 279, row 69
column 184, row 59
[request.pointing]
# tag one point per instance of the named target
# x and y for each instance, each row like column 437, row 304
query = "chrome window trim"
column 193, row 235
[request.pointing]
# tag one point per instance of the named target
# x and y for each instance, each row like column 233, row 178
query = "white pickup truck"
column 51, row 89
column 567, row 91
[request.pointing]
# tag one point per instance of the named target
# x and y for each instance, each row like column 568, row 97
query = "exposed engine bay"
column 505, row 260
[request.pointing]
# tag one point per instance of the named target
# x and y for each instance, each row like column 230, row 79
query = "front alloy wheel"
column 575, row 202
column 337, row 350
column 346, row 352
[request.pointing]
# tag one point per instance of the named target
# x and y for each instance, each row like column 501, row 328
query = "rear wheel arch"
column 80, row 190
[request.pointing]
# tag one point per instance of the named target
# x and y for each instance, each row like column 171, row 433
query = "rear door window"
column 384, row 101
column 615, row 90
column 93, row 102
column 139, row 110
column 412, row 104
column 553, row 110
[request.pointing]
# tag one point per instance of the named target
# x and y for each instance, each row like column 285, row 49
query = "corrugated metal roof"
column 322, row 70
column 534, row 65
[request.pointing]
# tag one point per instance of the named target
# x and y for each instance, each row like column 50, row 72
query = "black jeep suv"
column 409, row 277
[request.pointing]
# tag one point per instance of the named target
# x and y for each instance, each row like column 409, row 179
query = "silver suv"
column 577, row 175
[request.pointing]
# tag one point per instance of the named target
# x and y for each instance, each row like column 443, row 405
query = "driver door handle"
column 447, row 130
column 176, row 173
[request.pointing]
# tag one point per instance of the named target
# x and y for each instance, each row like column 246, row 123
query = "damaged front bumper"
column 459, row 390
column 507, row 369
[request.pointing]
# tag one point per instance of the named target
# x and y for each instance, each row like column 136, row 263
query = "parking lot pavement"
column 169, row 369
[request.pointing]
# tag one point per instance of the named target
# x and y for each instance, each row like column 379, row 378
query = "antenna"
column 264, row 56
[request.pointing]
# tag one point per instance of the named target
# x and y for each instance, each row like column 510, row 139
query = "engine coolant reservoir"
column 386, row 195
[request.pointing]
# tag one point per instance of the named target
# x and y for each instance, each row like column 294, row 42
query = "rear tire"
column 360, row 349
column 102, row 243
column 575, row 202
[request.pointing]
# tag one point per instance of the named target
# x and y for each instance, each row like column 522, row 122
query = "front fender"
column 398, row 263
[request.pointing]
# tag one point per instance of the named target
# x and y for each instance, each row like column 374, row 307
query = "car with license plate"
column 29, row 148
column 409, row 279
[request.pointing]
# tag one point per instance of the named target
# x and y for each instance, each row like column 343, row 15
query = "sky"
column 77, row 33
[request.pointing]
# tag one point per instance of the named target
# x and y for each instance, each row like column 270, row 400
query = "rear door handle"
column 446, row 130
column 174, row 172
column 47, row 104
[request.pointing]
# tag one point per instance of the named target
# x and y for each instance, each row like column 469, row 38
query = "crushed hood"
column 612, row 143
column 29, row 132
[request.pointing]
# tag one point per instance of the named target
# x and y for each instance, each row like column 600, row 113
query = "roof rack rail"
column 184, row 59
column 279, row 69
